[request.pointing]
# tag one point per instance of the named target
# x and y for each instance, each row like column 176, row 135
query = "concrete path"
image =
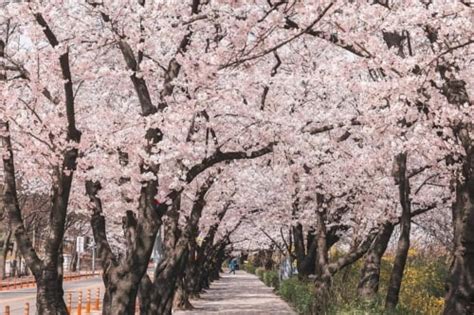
column 242, row 294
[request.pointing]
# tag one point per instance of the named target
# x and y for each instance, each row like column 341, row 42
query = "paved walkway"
column 242, row 294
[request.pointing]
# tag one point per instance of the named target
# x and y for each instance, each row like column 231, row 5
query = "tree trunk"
column 404, row 240
column 165, row 283
column 120, row 292
column 4, row 254
column 459, row 298
column 13, row 268
column 322, row 281
column 181, row 300
column 370, row 274
column 122, row 278
column 49, row 292
column 74, row 256
column 193, row 271
column 305, row 255
column 200, row 271
column 171, row 270
column 144, row 296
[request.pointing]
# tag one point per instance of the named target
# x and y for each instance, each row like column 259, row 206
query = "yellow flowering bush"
column 422, row 291
column 422, row 288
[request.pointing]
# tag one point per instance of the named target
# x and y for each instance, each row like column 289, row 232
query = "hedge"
column 299, row 294
column 250, row 268
column 271, row 279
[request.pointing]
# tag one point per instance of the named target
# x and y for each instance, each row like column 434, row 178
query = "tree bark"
column 370, row 274
column 165, row 283
column 49, row 293
column 170, row 271
column 4, row 254
column 404, row 240
column 459, row 299
column 144, row 296
column 305, row 255
column 181, row 301
column 74, row 256
column 323, row 278
column 122, row 278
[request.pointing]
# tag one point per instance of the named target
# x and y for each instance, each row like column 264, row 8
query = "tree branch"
column 283, row 43
column 219, row 156
column 104, row 251
column 332, row 38
column 313, row 130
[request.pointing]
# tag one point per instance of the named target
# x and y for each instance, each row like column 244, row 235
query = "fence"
column 28, row 282
column 75, row 304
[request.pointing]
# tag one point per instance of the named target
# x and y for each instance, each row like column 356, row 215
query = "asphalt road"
column 16, row 299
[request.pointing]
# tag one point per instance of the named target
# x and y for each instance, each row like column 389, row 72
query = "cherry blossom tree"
column 318, row 123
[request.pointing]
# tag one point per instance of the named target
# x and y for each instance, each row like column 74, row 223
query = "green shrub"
column 250, row 268
column 271, row 279
column 299, row 294
column 259, row 272
column 422, row 291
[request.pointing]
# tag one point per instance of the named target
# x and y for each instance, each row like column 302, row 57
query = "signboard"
column 80, row 244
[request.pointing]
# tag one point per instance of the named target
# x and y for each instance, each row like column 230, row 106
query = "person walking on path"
column 233, row 265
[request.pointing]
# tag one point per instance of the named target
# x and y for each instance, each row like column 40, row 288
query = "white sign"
column 80, row 244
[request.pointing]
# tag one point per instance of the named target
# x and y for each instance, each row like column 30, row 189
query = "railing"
column 27, row 282
column 76, row 306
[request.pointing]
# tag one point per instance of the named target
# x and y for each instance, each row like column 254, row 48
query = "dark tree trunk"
column 268, row 259
column 49, row 293
column 4, row 254
column 166, row 281
column 217, row 262
column 193, row 271
column 460, row 295
column 181, row 300
column 323, row 277
column 305, row 255
column 370, row 274
column 15, row 271
column 459, row 299
column 171, row 270
column 121, row 290
column 48, row 279
column 403, row 246
column 74, row 256
column 144, row 296
column 122, row 278
column 190, row 280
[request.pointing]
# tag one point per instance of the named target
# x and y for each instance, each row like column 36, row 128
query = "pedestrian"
column 232, row 265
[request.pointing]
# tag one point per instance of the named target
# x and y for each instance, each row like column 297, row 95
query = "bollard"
column 7, row 310
column 79, row 303
column 97, row 299
column 69, row 303
column 88, row 301
column 27, row 309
